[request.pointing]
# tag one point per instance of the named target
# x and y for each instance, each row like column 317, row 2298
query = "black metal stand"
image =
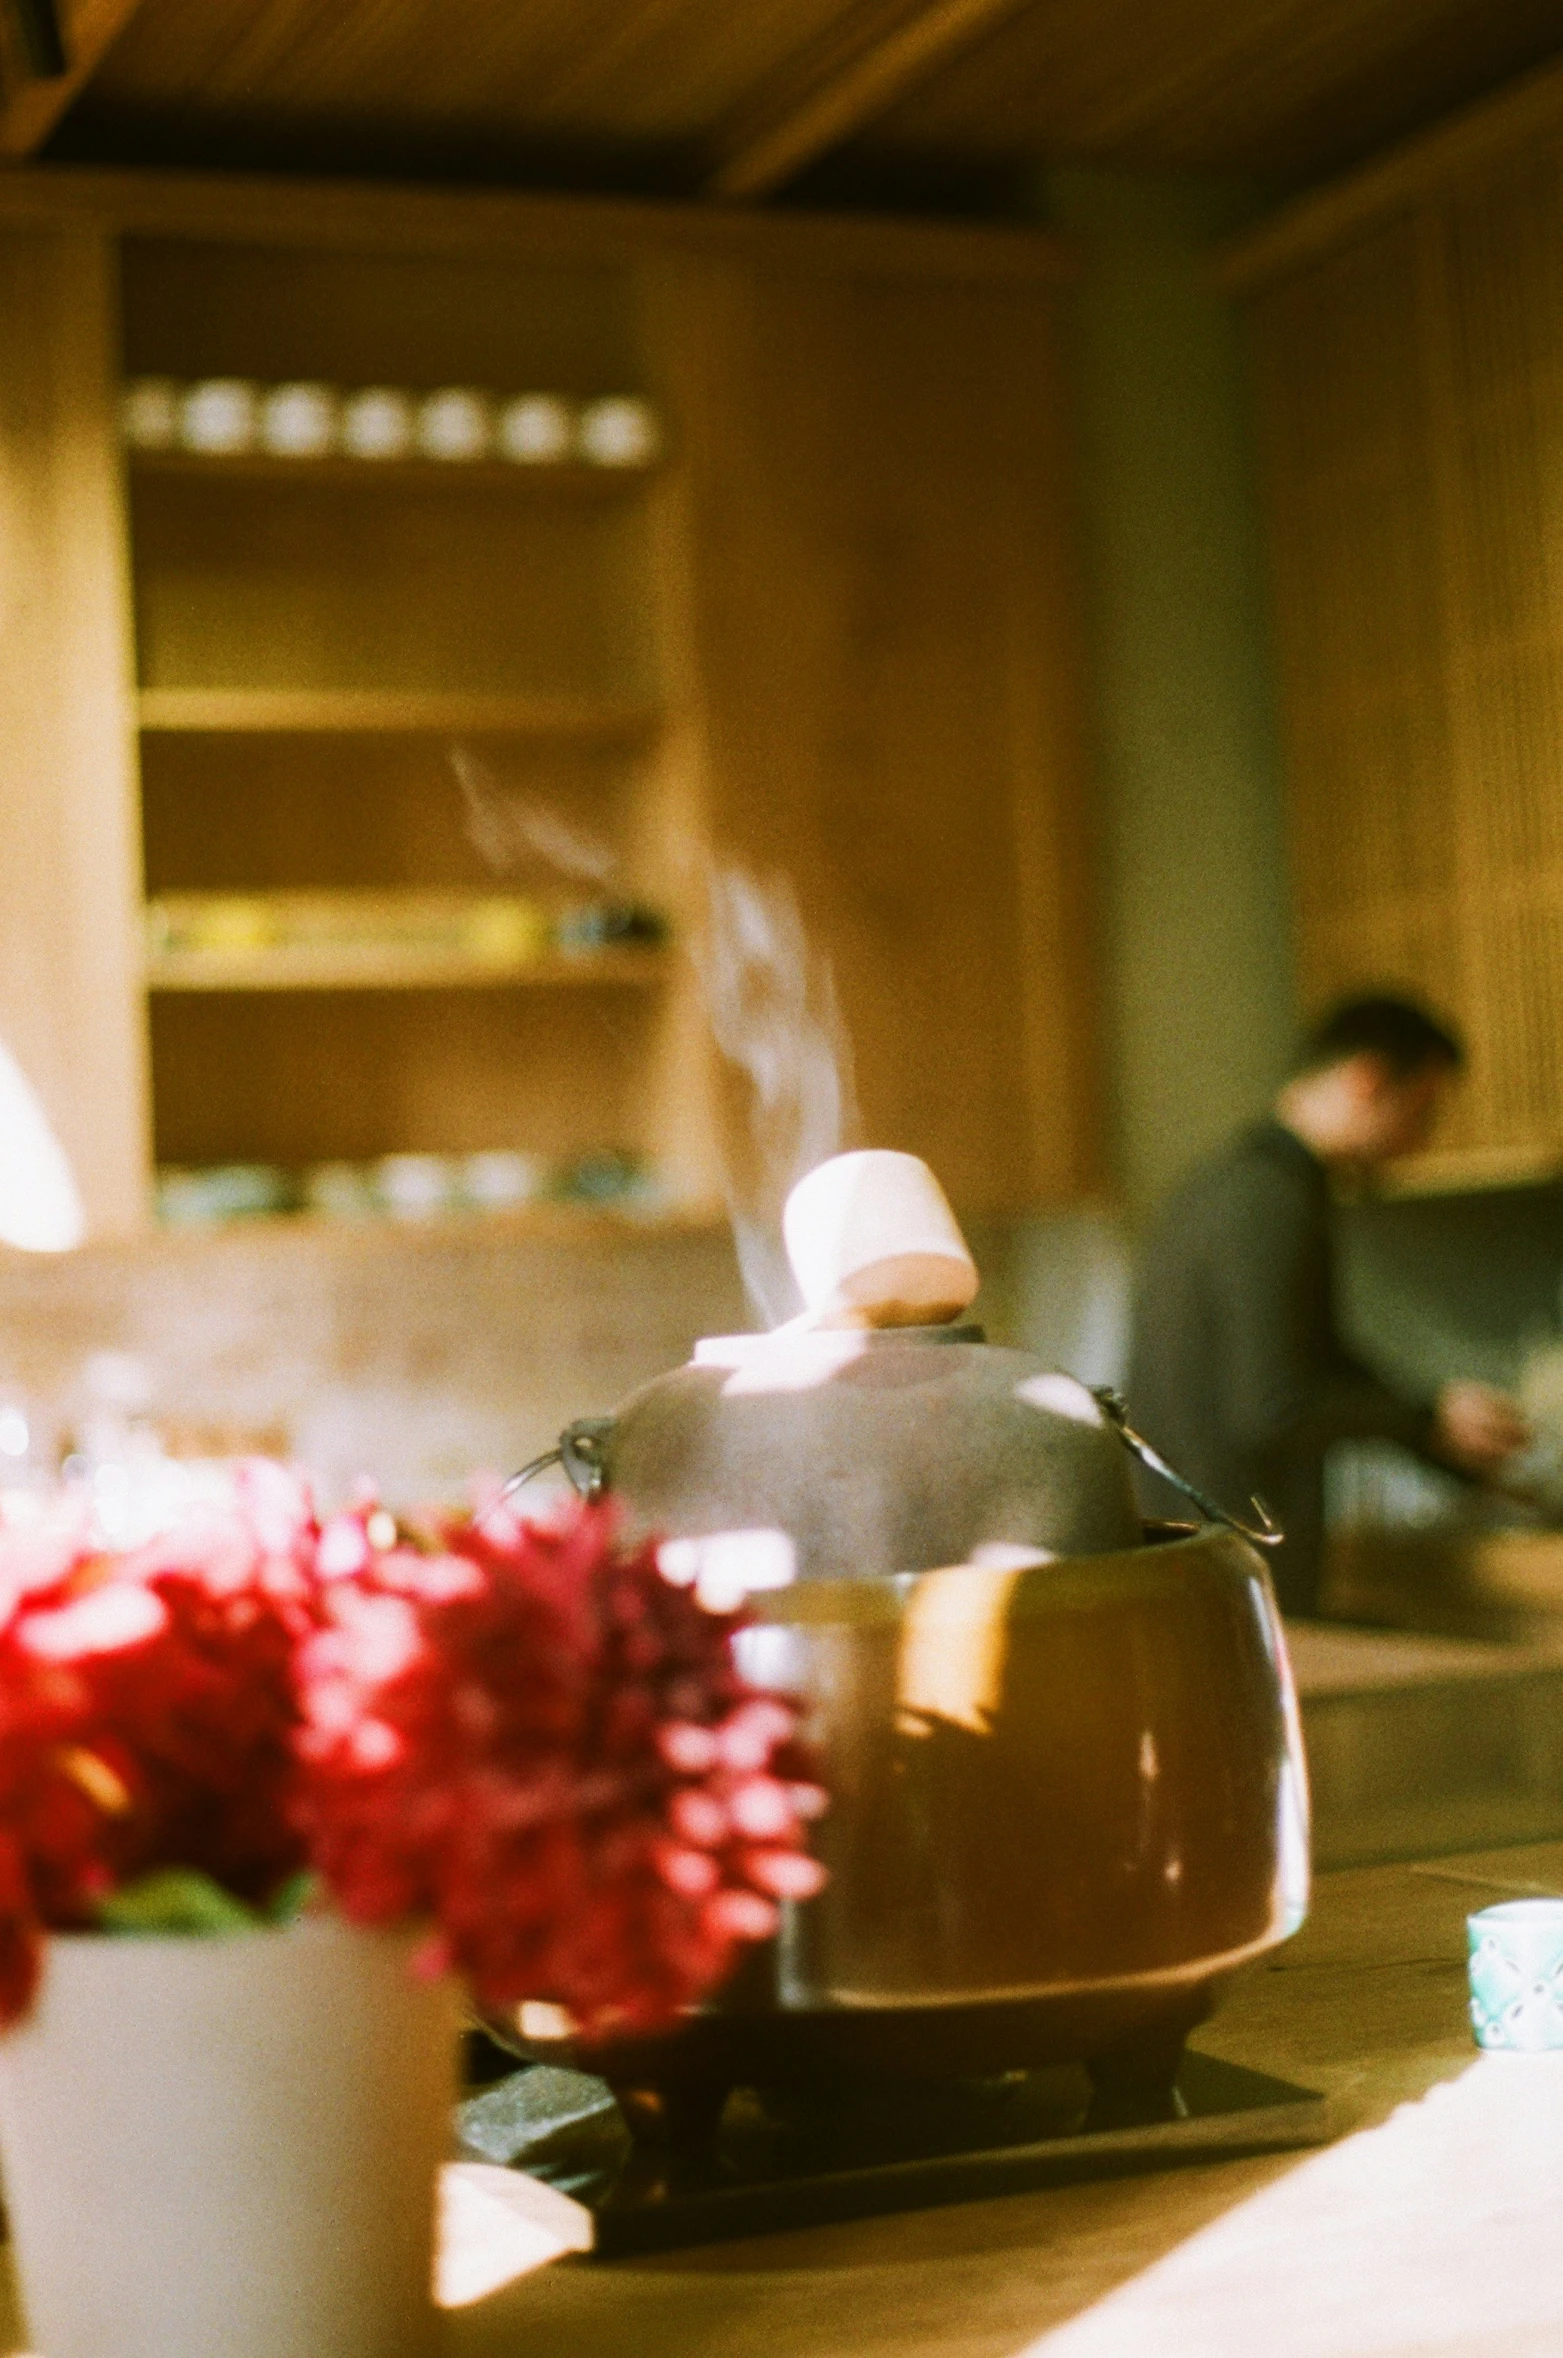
column 796, row 2159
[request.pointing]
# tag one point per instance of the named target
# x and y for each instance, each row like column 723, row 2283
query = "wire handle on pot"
column 580, row 1449
column 1111, row 1405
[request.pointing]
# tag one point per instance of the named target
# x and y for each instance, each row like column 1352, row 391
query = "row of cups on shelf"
column 403, row 1187
column 230, row 417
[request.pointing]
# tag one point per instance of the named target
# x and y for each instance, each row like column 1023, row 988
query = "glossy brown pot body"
column 1065, row 1802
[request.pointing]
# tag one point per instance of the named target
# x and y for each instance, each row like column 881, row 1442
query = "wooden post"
column 71, row 1006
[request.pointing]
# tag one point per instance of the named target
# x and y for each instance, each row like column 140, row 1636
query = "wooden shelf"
column 395, row 966
column 1467, row 1170
column 568, row 480
column 390, row 712
column 551, row 1222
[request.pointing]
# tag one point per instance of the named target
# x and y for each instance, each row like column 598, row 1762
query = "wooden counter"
column 1419, row 1744
column 1430, row 2234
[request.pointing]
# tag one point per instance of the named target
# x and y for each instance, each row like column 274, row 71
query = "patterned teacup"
column 1516, row 1969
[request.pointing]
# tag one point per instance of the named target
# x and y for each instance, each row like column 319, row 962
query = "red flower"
column 148, row 1714
column 535, row 1740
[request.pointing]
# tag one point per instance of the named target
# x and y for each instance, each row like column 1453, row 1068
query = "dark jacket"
column 1237, row 1371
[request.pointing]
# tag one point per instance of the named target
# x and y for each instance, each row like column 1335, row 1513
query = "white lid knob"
column 873, row 1242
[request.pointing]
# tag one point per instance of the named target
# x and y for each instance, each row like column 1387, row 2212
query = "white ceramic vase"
column 227, row 2148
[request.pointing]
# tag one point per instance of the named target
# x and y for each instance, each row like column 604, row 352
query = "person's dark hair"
column 1403, row 1034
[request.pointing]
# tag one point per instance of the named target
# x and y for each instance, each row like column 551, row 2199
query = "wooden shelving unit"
column 316, row 639
column 832, row 638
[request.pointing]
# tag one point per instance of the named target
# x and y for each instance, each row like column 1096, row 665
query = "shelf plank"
column 395, row 966
column 405, row 712
column 547, row 1222
column 573, row 479
column 1468, row 1170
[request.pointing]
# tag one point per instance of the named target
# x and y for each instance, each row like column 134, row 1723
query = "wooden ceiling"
column 749, row 99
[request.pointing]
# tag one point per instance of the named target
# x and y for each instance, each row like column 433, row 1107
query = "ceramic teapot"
column 1066, row 1776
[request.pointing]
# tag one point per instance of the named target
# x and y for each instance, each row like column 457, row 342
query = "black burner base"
column 799, row 2159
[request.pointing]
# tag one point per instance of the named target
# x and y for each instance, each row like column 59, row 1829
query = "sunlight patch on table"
column 496, row 2225
column 1436, row 2230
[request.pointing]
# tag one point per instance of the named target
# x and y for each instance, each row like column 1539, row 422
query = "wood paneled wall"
column 887, row 625
column 71, row 1009
column 1411, row 398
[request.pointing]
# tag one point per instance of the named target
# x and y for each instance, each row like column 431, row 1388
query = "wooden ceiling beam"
column 1507, row 122
column 382, row 217
column 849, row 94
column 30, row 106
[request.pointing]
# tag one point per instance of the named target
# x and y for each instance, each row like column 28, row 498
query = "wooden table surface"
column 1432, row 2228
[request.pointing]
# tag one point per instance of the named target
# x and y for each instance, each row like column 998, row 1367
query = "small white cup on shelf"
column 149, row 413
column 417, row 1186
column 218, row 416
column 537, row 430
column 299, row 420
column 378, row 422
column 455, row 423
column 619, row 431
column 500, row 1180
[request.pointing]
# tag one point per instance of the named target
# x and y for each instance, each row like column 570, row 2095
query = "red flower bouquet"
column 522, row 1735
column 534, row 1740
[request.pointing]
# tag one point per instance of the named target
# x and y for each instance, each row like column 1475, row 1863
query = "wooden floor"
column 1429, row 2230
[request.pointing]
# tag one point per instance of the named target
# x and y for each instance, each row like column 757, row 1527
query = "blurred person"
column 1238, row 1373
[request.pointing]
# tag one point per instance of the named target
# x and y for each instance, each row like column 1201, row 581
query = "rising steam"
column 511, row 831
column 770, row 999
column 772, row 1005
